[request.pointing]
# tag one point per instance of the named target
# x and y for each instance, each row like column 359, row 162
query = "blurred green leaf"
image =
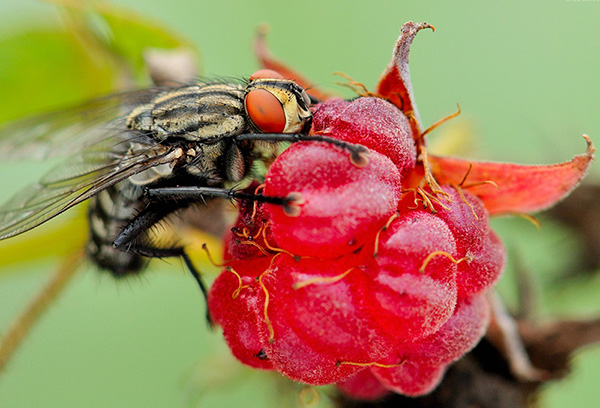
column 122, row 32
column 46, row 68
column 57, row 239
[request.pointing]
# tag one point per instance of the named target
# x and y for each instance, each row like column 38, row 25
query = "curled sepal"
column 394, row 84
column 268, row 61
column 508, row 188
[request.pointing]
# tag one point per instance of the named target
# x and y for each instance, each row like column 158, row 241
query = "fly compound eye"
column 266, row 74
column 265, row 111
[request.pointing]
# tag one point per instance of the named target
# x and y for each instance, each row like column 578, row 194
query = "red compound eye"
column 266, row 74
column 265, row 111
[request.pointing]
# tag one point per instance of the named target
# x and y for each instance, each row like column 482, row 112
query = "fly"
column 141, row 156
column 126, row 146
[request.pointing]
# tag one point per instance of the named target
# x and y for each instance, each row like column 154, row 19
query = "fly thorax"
column 192, row 113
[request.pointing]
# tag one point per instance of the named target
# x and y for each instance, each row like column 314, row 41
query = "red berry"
column 410, row 378
column 483, row 253
column 456, row 337
column 418, row 367
column 363, row 386
column 316, row 329
column 371, row 122
column 331, row 288
column 236, row 304
column 414, row 287
column 339, row 205
column 247, row 237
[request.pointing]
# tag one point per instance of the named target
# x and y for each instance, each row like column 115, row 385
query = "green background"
column 524, row 73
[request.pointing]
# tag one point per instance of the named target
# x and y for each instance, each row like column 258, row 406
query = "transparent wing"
column 72, row 183
column 71, row 130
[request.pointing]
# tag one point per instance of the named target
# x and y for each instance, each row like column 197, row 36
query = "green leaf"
column 47, row 68
column 56, row 240
column 123, row 32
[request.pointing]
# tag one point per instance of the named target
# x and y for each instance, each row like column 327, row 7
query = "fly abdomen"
column 108, row 213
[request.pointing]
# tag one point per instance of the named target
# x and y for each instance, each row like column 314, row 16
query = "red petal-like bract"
column 394, row 84
column 516, row 188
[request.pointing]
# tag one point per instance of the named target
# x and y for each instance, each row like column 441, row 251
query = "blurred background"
column 525, row 75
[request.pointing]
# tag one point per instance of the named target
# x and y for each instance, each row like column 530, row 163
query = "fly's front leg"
column 132, row 239
column 358, row 153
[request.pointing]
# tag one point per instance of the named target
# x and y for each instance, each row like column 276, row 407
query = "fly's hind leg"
column 133, row 238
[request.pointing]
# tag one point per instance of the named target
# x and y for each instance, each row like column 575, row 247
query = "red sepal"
column 518, row 188
column 394, row 84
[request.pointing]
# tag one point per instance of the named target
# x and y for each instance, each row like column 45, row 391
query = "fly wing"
column 71, row 130
column 72, row 183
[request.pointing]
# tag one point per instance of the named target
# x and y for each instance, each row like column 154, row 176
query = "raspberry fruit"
column 315, row 319
column 349, row 283
column 371, row 277
column 250, row 232
column 354, row 285
column 423, row 363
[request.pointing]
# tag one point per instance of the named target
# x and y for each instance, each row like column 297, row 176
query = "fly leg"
column 133, row 238
column 164, row 201
column 358, row 153
column 199, row 193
